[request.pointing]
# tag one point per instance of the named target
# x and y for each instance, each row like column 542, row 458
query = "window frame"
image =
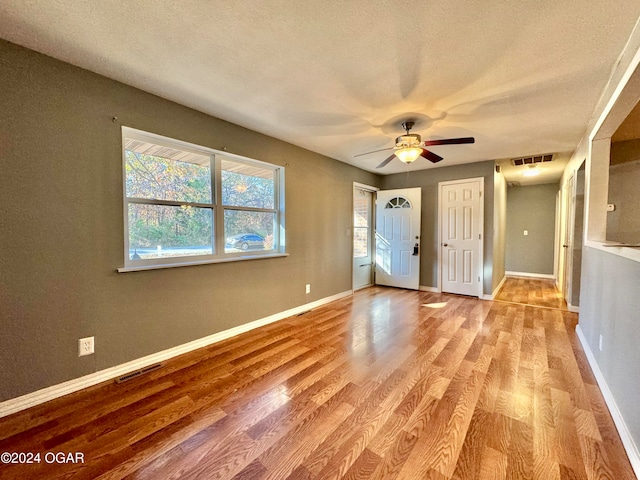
column 218, row 234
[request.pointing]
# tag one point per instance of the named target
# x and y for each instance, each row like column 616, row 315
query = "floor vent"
column 137, row 373
column 303, row 313
column 532, row 160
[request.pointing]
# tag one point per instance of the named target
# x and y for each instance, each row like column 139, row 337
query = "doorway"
column 573, row 238
column 567, row 260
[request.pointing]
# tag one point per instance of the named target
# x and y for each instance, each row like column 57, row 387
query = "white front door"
column 461, row 236
column 362, row 237
column 398, row 238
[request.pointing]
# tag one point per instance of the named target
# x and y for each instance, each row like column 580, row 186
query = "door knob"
column 445, row 244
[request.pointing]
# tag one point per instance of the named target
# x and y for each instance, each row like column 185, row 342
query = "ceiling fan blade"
column 432, row 157
column 367, row 153
column 386, row 161
column 449, row 141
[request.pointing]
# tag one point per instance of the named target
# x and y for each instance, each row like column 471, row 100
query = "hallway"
column 531, row 291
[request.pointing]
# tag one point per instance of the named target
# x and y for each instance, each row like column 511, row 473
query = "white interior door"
column 362, row 237
column 461, row 225
column 398, row 238
column 568, row 239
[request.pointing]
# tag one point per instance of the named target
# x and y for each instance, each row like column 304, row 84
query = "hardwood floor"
column 385, row 384
column 531, row 291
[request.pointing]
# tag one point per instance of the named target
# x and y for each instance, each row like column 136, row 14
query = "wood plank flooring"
column 531, row 291
column 386, row 384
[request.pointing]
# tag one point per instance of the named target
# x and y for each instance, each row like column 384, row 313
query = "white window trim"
column 200, row 262
column 218, row 240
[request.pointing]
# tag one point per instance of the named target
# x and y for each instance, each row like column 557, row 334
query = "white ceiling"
column 338, row 77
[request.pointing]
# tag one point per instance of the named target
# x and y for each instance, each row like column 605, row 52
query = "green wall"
column 531, row 208
column 609, row 307
column 62, row 228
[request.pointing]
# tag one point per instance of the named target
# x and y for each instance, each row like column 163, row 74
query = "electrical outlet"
column 85, row 346
column 600, row 343
column 308, row 288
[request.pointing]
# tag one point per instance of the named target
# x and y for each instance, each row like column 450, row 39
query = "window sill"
column 200, row 262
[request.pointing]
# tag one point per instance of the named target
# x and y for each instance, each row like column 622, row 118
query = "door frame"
column 567, row 251
column 481, row 228
column 372, row 230
column 557, row 240
column 565, row 279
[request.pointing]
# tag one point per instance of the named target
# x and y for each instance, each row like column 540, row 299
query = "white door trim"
column 481, row 227
column 363, row 186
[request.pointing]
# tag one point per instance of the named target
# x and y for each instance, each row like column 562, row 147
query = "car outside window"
column 187, row 204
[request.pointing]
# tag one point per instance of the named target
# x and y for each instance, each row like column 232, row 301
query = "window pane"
column 161, row 173
column 248, row 230
column 247, row 185
column 158, row 231
column 360, row 242
column 361, row 211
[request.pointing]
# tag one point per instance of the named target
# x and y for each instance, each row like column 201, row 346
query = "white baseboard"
column 424, row 288
column 495, row 290
column 23, row 402
column 627, row 440
column 528, row 274
column 573, row 308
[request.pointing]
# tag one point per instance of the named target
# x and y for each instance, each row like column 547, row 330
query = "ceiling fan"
column 410, row 146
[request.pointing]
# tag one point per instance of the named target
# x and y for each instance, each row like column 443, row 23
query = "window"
column 398, row 202
column 187, row 204
column 361, row 219
column 248, row 199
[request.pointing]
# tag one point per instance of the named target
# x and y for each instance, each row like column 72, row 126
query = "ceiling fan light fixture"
column 408, row 155
column 409, row 147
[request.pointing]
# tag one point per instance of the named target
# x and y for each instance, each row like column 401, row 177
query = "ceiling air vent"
column 532, row 160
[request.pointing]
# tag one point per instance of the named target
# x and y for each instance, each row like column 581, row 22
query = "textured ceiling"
column 338, row 78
